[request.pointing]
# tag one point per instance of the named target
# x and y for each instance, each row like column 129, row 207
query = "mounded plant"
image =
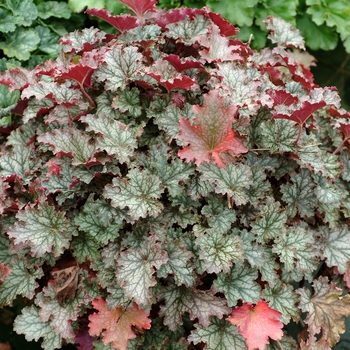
column 168, row 187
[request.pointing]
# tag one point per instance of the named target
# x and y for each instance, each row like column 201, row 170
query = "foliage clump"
column 168, row 185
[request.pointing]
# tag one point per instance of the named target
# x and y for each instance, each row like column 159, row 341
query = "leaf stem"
column 92, row 102
column 341, row 145
column 279, row 344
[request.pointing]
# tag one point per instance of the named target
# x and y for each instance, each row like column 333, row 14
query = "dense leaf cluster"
column 163, row 185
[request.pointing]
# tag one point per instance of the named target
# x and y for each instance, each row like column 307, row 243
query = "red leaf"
column 257, row 324
column 116, row 323
column 226, row 28
column 122, row 23
column 184, row 82
column 212, row 132
column 179, row 65
column 178, row 14
column 282, row 97
column 140, row 7
column 302, row 114
column 81, row 74
column 4, row 272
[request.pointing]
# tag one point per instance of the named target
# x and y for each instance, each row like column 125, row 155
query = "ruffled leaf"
column 212, row 133
column 139, row 192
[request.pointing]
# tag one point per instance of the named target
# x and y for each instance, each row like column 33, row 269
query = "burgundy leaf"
column 122, row 22
column 179, row 65
column 282, row 97
column 177, row 15
column 81, row 74
column 140, row 7
column 183, row 82
column 226, row 28
column 302, row 114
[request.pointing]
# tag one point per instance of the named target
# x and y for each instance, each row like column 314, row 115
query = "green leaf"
column 269, row 267
column 116, row 138
column 44, row 229
column 20, row 43
column 220, row 335
column 85, row 247
column 271, row 221
column 285, row 9
column 79, row 5
column 30, row 324
column 168, row 119
column 333, row 12
column 100, row 220
column 328, row 192
column 139, row 193
column 59, row 316
column 296, row 250
column 279, row 135
column 121, row 65
column 239, row 284
column 317, row 37
column 128, row 101
column 179, row 264
column 320, row 161
column 56, row 9
column 48, row 41
column 300, row 195
column 238, row 13
column 172, row 174
column 8, row 22
column 24, row 9
column 20, row 281
column 282, row 297
column 136, row 269
column 253, row 251
column 218, row 252
column 335, row 245
column 260, row 188
column 20, row 161
column 8, row 99
column 231, row 180
column 73, row 142
column 218, row 215
column 199, row 304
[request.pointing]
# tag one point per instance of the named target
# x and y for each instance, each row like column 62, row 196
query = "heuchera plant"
column 167, row 186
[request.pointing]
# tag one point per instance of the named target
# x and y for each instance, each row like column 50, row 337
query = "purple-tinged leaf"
column 122, row 23
column 140, row 7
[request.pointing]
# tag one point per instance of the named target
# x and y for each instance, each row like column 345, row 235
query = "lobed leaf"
column 30, row 324
column 199, row 304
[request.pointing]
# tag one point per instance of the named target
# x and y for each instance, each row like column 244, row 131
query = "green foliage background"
column 30, row 29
